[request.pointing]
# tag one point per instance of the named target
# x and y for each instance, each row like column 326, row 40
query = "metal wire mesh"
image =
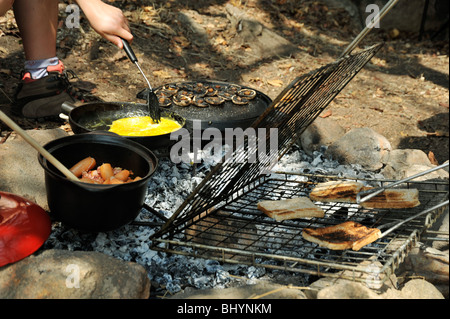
column 278, row 128
column 237, row 232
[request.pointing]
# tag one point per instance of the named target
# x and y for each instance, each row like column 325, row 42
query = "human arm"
column 5, row 5
column 106, row 20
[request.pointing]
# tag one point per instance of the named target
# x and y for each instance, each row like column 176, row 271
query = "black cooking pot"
column 99, row 116
column 93, row 207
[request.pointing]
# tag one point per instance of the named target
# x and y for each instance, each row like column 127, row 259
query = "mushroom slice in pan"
column 182, row 100
column 185, row 93
column 214, row 100
column 233, row 88
column 199, row 101
column 184, row 86
column 239, row 100
column 247, row 93
column 164, row 101
column 169, row 89
column 225, row 95
column 199, row 90
column 211, row 91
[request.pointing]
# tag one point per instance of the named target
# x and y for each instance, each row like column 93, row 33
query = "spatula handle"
column 129, row 51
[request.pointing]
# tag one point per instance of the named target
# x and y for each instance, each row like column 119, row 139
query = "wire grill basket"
column 219, row 219
column 295, row 108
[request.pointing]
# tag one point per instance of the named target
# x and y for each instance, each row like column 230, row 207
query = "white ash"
column 167, row 190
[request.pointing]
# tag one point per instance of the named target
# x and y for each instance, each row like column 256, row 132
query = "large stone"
column 264, row 42
column 347, row 290
column 261, row 290
column 58, row 274
column 401, row 159
column 414, row 289
column 429, row 263
column 322, row 132
column 361, row 146
column 20, row 170
column 404, row 163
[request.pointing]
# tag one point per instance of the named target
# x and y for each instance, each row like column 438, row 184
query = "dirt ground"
column 402, row 93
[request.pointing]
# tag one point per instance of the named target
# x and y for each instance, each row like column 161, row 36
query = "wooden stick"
column 38, row 147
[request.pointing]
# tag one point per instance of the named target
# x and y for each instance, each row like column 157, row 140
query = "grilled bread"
column 336, row 191
column 394, row 198
column 346, row 191
column 299, row 207
column 348, row 235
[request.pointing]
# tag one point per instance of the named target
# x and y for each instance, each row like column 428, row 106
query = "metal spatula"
column 152, row 100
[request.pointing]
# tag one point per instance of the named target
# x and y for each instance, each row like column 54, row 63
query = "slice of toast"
column 336, row 191
column 393, row 198
column 346, row 191
column 348, row 235
column 299, row 207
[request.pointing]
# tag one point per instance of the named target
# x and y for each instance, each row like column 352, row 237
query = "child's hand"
column 107, row 20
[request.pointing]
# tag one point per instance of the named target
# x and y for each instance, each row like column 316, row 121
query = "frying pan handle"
column 129, row 51
column 67, row 107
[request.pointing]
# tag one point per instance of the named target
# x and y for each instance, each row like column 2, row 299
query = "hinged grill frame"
column 208, row 209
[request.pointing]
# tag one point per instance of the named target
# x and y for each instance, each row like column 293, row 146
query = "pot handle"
column 67, row 107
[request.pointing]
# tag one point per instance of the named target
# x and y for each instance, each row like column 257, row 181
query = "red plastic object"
column 24, row 227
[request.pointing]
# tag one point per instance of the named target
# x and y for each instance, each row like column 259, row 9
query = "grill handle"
column 375, row 191
column 445, row 203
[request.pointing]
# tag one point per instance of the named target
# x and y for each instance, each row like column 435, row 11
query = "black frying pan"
column 99, row 116
column 227, row 115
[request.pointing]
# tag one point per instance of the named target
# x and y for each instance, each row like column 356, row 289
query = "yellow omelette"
column 143, row 126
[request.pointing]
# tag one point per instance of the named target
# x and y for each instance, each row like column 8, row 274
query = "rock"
column 401, row 159
column 361, row 146
column 320, row 284
column 416, row 169
column 322, row 132
column 429, row 263
column 414, row 289
column 20, row 169
column 369, row 279
column 347, row 290
column 264, row 42
column 58, row 274
column 261, row 290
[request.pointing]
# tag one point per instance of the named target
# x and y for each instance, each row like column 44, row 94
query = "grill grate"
column 236, row 232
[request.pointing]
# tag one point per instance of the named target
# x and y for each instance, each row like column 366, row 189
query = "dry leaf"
column 220, row 41
column 275, row 82
column 285, row 66
column 183, row 41
column 432, row 158
column 326, row 114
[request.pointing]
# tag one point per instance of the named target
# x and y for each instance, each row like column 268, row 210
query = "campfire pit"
column 217, row 229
